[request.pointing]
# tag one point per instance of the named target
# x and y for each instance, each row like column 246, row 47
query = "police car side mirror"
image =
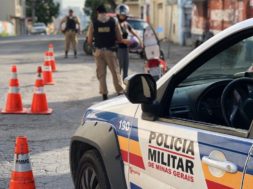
column 140, row 88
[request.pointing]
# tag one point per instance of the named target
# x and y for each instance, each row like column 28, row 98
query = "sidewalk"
column 174, row 52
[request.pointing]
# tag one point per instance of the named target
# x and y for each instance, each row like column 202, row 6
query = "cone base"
column 22, row 185
column 24, row 111
column 49, row 83
column 49, row 111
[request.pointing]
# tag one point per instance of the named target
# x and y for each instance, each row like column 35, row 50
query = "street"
column 75, row 89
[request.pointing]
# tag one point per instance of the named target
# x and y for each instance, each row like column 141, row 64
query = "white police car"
column 191, row 129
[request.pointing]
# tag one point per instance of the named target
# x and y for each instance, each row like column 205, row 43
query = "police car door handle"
column 223, row 165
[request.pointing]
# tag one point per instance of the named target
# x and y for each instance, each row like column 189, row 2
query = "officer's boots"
column 75, row 54
column 66, row 54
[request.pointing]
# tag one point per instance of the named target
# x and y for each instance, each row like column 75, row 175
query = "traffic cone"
column 47, row 71
column 52, row 61
column 22, row 175
column 39, row 101
column 14, row 103
column 50, row 47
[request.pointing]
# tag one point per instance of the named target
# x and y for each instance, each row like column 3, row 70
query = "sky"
column 72, row 3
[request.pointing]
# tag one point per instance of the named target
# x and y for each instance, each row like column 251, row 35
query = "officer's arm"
column 118, row 33
column 90, row 34
column 62, row 21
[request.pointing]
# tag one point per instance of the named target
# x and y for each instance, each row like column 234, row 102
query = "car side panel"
column 102, row 136
column 126, row 137
column 248, row 177
column 234, row 149
column 171, row 157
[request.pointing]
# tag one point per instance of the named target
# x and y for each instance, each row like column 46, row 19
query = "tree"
column 45, row 10
column 91, row 5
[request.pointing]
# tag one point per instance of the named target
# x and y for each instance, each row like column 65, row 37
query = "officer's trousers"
column 70, row 38
column 123, row 57
column 103, row 59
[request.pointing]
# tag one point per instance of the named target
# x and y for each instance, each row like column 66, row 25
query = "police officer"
column 70, row 32
column 122, row 12
column 105, row 31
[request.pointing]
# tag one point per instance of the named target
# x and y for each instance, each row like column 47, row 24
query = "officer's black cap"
column 101, row 9
column 71, row 10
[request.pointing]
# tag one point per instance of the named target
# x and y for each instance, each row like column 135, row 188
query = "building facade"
column 216, row 15
column 172, row 19
column 13, row 11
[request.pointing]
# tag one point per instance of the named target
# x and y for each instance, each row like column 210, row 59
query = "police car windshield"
column 137, row 24
column 235, row 59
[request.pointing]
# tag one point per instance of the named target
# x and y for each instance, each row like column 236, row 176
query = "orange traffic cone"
column 50, row 47
column 22, row 175
column 52, row 61
column 39, row 102
column 47, row 70
column 14, row 100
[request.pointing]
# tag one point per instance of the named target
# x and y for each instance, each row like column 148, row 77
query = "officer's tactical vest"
column 71, row 23
column 104, row 33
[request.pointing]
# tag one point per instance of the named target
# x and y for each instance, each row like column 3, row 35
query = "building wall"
column 13, row 11
column 136, row 7
column 172, row 23
column 218, row 15
column 158, row 15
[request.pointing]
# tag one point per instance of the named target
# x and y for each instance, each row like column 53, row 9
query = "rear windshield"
column 138, row 24
column 39, row 24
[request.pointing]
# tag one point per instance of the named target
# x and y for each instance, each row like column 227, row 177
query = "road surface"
column 75, row 89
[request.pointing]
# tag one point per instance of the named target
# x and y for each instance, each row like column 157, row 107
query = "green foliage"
column 91, row 5
column 45, row 10
column 4, row 34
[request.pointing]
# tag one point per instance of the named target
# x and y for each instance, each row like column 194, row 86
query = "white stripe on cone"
column 47, row 68
column 38, row 90
column 14, row 75
column 14, row 90
column 22, row 163
column 47, row 58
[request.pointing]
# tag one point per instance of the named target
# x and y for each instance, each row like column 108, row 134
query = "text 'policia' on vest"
column 104, row 34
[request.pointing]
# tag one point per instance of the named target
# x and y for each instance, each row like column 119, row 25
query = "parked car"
column 191, row 129
column 39, row 28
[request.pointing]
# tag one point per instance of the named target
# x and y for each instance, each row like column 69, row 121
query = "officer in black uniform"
column 105, row 32
column 70, row 32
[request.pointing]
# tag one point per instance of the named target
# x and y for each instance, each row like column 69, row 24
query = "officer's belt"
column 71, row 30
column 107, row 49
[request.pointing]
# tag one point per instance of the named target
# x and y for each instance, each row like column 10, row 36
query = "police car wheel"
column 91, row 173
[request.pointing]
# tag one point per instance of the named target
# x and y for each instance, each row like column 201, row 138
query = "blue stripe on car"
column 134, row 186
column 114, row 119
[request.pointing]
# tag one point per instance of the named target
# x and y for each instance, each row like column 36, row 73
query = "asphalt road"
column 75, row 89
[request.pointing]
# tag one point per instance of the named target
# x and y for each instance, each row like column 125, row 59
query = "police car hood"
column 119, row 105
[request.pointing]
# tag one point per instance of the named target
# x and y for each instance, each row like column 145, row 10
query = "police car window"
column 220, row 69
column 237, row 58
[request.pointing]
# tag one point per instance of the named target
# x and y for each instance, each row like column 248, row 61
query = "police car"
column 191, row 129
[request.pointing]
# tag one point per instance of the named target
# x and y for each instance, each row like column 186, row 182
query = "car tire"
column 91, row 172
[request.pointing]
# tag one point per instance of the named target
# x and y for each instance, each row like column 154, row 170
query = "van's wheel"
column 91, row 173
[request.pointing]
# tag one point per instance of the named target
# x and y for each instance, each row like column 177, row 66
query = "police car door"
column 248, row 178
column 174, row 156
column 169, row 157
